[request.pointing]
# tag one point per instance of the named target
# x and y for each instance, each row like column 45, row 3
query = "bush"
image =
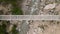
column 3, row 28
column 17, row 11
column 14, row 31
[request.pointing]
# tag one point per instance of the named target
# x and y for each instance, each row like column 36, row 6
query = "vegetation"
column 8, row 0
column 3, row 28
column 14, row 31
column 15, row 10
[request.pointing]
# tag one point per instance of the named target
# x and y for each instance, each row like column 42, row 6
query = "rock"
column 50, row 6
column 58, row 8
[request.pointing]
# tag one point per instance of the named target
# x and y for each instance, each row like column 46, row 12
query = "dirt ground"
column 44, row 27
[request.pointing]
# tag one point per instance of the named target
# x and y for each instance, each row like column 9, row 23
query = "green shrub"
column 17, row 11
column 14, row 31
